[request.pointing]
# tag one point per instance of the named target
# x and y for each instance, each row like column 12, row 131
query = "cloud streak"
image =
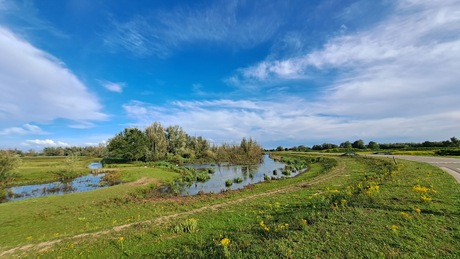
column 45, row 143
column 235, row 24
column 26, row 129
column 113, row 86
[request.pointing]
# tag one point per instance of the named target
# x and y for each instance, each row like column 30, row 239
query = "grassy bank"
column 363, row 207
column 43, row 169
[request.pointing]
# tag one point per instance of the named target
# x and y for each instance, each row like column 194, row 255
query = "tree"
column 157, row 144
column 455, row 141
column 279, row 148
column 347, row 144
column 8, row 162
column 201, row 148
column 129, row 145
column 177, row 139
column 358, row 144
column 373, row 145
column 302, row 148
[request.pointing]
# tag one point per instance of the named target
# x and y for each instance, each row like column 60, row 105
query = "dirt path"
column 163, row 219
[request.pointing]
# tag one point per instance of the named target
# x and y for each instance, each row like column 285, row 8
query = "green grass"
column 335, row 213
column 50, row 217
column 43, row 169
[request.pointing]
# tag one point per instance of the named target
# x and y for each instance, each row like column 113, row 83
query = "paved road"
column 450, row 165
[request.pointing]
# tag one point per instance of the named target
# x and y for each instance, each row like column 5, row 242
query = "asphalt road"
column 450, row 165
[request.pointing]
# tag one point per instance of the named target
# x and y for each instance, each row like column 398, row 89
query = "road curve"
column 450, row 165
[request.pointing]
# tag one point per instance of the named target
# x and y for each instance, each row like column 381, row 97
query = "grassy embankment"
column 364, row 207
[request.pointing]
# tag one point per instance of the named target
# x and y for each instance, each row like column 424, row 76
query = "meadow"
column 341, row 207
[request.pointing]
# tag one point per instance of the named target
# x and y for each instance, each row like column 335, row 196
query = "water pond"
column 239, row 176
column 224, row 177
column 81, row 184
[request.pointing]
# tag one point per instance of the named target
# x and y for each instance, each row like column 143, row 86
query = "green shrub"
column 228, row 183
column 238, row 180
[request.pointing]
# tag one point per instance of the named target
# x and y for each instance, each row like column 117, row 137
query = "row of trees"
column 172, row 143
column 360, row 144
column 93, row 151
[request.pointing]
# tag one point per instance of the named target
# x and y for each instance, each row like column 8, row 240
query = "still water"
column 81, row 184
column 249, row 175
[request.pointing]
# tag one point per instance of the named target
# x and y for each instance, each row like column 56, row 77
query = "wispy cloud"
column 45, row 143
column 113, row 86
column 394, row 68
column 26, row 129
column 235, row 24
column 42, row 91
column 25, row 17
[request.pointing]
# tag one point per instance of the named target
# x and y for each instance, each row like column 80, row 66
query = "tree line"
column 372, row 145
column 172, row 143
column 93, row 151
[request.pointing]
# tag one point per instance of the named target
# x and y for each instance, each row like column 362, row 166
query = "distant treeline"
column 99, row 151
column 157, row 143
column 372, row 145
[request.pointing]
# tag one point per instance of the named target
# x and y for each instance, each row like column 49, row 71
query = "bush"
column 228, row 183
column 238, row 180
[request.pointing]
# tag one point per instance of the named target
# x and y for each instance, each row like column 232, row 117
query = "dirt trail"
column 163, row 219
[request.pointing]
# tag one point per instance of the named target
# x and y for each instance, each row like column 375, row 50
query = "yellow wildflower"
column 405, row 215
column 225, row 242
column 121, row 239
column 419, row 188
column 425, row 198
column 418, row 210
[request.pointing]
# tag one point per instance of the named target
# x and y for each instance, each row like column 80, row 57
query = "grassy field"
column 363, row 207
column 48, row 169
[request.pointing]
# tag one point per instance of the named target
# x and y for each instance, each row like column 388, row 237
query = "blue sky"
column 287, row 73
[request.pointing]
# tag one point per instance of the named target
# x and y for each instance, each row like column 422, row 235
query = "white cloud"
column 289, row 121
column 112, row 86
column 397, row 79
column 36, row 86
column 26, row 129
column 45, row 143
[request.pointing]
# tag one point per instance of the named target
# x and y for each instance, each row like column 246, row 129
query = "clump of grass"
column 286, row 172
column 202, row 177
column 238, row 180
column 211, row 170
column 228, row 183
column 187, row 226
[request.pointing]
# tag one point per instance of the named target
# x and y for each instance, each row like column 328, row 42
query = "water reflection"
column 248, row 174
column 81, row 184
